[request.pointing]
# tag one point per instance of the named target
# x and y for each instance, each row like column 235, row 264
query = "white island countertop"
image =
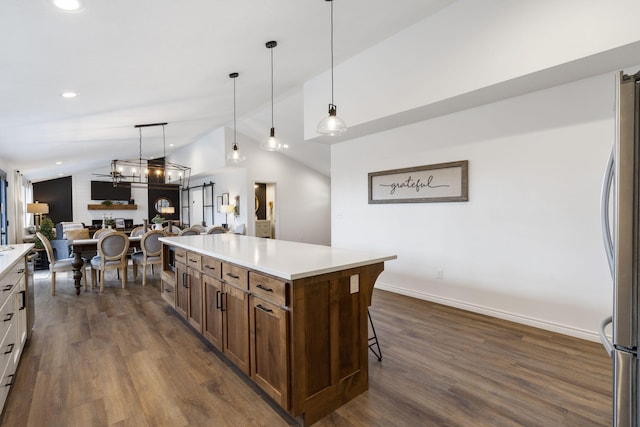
column 10, row 254
column 279, row 258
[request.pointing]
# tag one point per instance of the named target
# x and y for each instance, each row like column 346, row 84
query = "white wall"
column 527, row 245
column 303, row 198
column 447, row 60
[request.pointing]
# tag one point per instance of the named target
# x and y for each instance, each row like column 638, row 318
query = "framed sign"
column 442, row 182
column 219, row 204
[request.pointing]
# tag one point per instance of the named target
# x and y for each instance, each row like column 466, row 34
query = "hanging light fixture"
column 145, row 171
column 235, row 156
column 271, row 143
column 332, row 125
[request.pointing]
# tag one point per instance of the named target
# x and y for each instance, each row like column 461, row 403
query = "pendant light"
column 271, row 143
column 235, row 156
column 332, row 125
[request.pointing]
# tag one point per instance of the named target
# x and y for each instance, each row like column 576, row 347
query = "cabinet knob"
column 9, row 317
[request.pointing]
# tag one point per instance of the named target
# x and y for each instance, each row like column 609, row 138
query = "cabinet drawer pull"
column 184, row 280
column 218, row 299
column 209, row 267
column 21, row 271
column 265, row 309
column 9, row 317
column 263, row 288
column 193, row 260
column 167, row 290
column 10, row 383
column 10, row 349
column 7, row 288
column 233, row 276
column 24, row 300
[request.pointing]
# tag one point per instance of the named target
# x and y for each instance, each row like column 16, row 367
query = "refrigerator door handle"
column 605, row 195
column 625, row 394
column 604, row 339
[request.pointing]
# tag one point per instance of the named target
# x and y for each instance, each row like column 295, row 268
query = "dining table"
column 83, row 246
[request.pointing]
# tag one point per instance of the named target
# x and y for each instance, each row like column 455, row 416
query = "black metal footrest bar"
column 373, row 341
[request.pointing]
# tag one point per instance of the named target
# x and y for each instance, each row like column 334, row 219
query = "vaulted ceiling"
column 147, row 61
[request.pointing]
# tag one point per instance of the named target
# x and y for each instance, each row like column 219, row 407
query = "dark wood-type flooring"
column 124, row 359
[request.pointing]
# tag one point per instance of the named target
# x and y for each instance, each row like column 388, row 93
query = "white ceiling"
column 148, row 61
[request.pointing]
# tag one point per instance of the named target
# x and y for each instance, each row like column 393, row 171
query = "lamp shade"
column 168, row 210
column 37, row 208
column 227, row 209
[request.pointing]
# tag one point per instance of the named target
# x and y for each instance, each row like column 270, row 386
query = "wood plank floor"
column 124, row 359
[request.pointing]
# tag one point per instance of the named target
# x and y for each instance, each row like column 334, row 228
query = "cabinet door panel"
column 212, row 322
column 195, row 298
column 270, row 349
column 236, row 328
column 182, row 289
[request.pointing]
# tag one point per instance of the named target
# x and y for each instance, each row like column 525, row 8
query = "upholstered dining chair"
column 138, row 231
column 216, row 230
column 172, row 229
column 199, row 227
column 58, row 265
column 102, row 231
column 150, row 254
column 191, row 231
column 112, row 254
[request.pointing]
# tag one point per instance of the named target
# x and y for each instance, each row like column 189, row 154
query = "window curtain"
column 20, row 189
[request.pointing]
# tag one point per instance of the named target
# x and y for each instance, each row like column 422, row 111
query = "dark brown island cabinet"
column 291, row 316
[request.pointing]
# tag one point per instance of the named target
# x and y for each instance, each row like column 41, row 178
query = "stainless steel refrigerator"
column 621, row 233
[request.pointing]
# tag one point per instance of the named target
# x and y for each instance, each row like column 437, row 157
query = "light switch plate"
column 355, row 283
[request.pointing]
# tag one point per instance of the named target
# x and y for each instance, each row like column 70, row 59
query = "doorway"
column 265, row 210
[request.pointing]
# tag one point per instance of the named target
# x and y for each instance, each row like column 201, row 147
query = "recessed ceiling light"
column 69, row 94
column 286, row 146
column 58, row 162
column 69, row 5
column 170, row 145
column 60, row 174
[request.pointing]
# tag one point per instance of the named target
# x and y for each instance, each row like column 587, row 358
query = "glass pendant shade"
column 332, row 125
column 271, row 143
column 235, row 156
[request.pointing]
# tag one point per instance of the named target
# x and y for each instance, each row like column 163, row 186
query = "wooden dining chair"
column 112, row 254
column 150, row 254
column 191, row 231
column 138, row 231
column 216, row 230
column 58, row 265
column 102, row 231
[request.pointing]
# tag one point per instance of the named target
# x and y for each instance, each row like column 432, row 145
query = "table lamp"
column 37, row 209
column 226, row 210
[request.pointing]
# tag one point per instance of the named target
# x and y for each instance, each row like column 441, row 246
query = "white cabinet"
column 14, row 323
column 263, row 228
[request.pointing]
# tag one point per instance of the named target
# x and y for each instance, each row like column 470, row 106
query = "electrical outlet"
column 354, row 283
column 439, row 274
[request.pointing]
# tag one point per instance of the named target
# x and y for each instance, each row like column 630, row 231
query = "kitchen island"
column 292, row 316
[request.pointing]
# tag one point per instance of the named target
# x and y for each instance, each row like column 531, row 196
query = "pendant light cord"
column 234, row 113
column 164, row 145
column 271, row 49
column 331, row 1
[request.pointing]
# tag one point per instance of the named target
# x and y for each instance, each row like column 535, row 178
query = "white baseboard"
column 517, row 318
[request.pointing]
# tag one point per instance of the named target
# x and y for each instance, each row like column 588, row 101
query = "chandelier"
column 149, row 171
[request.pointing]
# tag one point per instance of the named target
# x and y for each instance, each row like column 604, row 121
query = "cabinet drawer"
column 181, row 255
column 235, row 275
column 168, row 292
column 7, row 317
column 194, row 261
column 10, row 280
column 212, row 267
column 268, row 288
